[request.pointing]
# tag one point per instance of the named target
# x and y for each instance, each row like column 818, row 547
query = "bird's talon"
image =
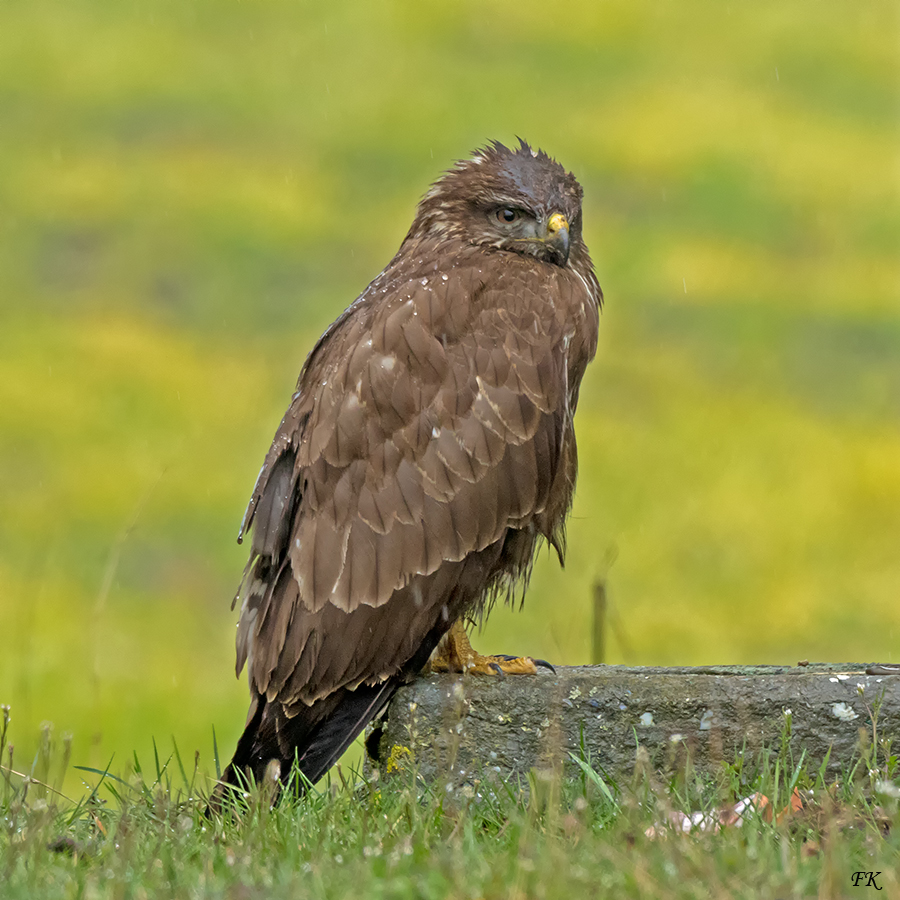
column 497, row 668
column 543, row 664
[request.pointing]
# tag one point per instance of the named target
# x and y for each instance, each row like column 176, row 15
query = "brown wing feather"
column 428, row 422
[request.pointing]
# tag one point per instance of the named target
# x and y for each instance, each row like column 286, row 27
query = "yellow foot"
column 455, row 654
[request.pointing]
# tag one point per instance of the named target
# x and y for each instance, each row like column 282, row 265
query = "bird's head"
column 517, row 200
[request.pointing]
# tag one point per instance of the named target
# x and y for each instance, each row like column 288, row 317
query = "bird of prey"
column 427, row 452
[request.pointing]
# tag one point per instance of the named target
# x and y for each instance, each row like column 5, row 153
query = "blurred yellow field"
column 190, row 193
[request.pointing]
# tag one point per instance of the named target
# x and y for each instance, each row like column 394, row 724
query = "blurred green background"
column 190, row 191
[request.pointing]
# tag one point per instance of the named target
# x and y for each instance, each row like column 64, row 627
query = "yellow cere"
column 557, row 223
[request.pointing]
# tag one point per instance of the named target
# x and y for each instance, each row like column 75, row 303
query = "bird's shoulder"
column 444, row 336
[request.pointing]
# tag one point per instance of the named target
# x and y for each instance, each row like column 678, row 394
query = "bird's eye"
column 507, row 215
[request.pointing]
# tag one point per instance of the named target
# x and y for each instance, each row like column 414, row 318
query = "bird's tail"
column 313, row 739
column 315, row 736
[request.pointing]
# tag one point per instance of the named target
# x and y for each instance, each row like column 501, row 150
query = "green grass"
column 144, row 834
column 190, row 192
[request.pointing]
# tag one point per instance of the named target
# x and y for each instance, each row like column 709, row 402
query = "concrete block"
column 453, row 724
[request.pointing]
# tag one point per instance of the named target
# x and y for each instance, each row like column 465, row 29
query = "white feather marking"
column 587, row 290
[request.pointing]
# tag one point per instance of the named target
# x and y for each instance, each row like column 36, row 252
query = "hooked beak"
column 558, row 236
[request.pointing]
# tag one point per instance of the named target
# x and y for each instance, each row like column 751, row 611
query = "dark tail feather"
column 336, row 733
column 315, row 737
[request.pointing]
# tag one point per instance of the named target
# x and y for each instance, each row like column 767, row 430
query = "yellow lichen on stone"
column 398, row 751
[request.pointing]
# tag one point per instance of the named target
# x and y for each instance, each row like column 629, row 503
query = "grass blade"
column 594, row 777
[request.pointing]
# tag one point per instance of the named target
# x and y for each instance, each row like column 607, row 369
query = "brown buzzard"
column 426, row 453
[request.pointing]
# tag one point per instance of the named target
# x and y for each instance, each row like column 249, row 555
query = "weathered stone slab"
column 457, row 724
